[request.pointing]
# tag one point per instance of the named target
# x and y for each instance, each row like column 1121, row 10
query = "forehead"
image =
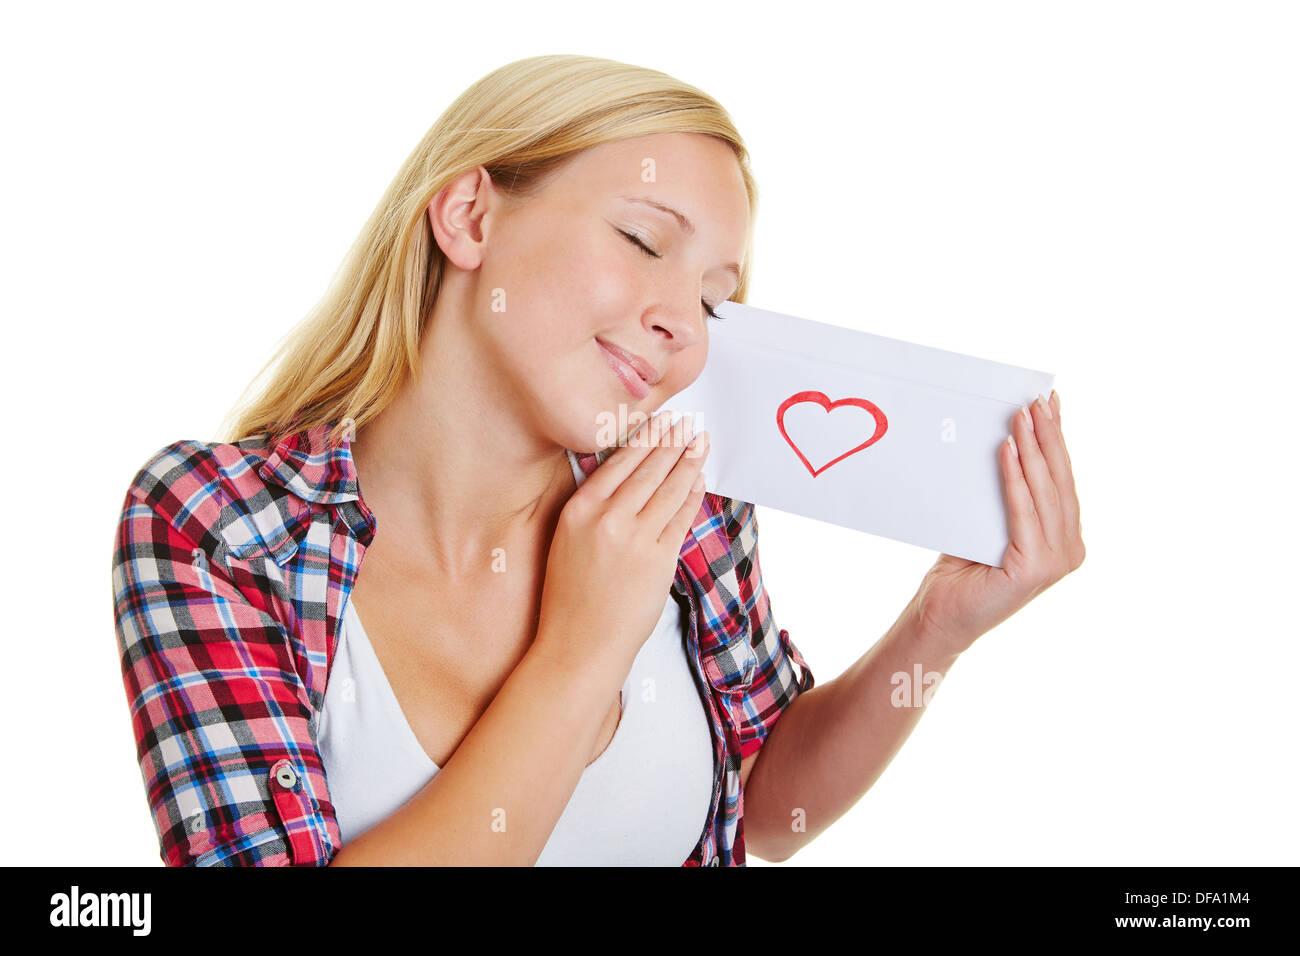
column 662, row 161
column 693, row 172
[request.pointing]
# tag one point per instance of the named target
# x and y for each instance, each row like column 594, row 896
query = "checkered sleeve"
column 219, row 713
column 776, row 682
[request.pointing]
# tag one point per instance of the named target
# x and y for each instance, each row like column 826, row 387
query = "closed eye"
column 654, row 255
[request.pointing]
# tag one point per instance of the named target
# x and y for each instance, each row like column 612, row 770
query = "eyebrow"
column 687, row 226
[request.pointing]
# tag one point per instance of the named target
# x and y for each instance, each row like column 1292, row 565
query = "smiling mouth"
column 637, row 386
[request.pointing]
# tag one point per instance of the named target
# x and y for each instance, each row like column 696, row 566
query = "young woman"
column 415, row 610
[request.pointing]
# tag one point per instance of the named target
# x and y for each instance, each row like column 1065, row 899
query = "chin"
column 607, row 428
column 600, row 421
column 579, row 429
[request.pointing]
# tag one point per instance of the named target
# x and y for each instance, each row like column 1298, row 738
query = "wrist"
column 564, row 656
column 936, row 640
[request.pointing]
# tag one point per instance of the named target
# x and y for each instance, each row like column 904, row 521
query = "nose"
column 680, row 326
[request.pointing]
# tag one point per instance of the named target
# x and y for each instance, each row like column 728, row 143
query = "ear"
column 456, row 215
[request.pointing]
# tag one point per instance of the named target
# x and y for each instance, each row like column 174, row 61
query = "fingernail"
column 1024, row 410
column 1012, row 442
column 1047, row 409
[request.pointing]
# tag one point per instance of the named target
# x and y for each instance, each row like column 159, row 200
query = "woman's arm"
column 219, row 709
column 501, row 794
column 834, row 741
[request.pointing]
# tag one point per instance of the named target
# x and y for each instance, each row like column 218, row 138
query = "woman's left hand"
column 959, row 600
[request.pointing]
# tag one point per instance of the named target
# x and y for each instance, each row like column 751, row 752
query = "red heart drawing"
column 820, row 398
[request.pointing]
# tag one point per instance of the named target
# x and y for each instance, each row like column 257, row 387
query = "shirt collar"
column 312, row 469
column 306, row 464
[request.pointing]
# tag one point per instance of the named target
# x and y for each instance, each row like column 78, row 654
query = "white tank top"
column 644, row 801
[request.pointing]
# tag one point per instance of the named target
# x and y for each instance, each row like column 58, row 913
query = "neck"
column 452, row 468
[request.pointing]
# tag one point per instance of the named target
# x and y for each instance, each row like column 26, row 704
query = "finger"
column 664, row 503
column 1074, row 521
column 1052, row 443
column 679, row 526
column 1023, row 526
column 605, row 480
column 632, row 495
column 1047, row 500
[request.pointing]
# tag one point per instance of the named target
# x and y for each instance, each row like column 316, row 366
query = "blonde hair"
column 348, row 357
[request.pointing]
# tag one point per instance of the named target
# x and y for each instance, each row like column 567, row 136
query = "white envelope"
column 863, row 431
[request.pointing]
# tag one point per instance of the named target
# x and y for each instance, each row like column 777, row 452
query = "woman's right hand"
column 615, row 549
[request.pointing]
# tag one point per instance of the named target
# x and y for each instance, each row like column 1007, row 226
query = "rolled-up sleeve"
column 780, row 671
column 219, row 713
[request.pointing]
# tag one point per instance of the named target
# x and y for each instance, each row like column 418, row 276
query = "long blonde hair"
column 348, row 357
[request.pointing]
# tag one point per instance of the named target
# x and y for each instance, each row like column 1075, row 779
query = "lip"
column 635, row 372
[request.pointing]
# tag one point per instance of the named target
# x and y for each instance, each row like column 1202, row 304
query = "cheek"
column 582, row 286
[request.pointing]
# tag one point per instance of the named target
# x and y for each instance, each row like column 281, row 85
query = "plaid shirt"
column 232, row 566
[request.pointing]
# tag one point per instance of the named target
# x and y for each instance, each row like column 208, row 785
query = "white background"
column 1107, row 191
